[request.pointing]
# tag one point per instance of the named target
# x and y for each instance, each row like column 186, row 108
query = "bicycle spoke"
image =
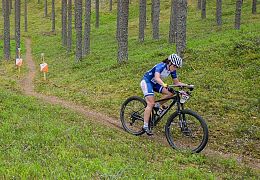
column 185, row 134
column 132, row 115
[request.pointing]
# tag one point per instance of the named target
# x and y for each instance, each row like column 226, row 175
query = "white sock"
column 145, row 124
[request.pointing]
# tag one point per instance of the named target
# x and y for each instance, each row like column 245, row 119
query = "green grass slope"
column 39, row 140
column 223, row 63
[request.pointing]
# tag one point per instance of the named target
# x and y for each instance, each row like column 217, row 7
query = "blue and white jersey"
column 162, row 69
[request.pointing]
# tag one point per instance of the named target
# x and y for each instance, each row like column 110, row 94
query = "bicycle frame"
column 185, row 122
column 175, row 99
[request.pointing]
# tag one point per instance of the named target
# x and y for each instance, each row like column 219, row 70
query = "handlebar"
column 184, row 95
column 182, row 86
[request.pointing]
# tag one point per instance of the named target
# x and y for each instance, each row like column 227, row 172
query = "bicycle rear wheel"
column 132, row 113
column 187, row 131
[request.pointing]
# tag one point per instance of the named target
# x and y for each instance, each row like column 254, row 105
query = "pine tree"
column 123, row 30
column 110, row 5
column 203, row 9
column 118, row 16
column 45, row 8
column 254, row 6
column 173, row 21
column 238, row 14
column 5, row 9
column 25, row 16
column 199, row 5
column 78, row 27
column 155, row 18
column 69, row 40
column 142, row 19
column 64, row 22
column 97, row 14
column 53, row 15
column 17, row 25
column 87, row 27
column 219, row 12
column 181, row 26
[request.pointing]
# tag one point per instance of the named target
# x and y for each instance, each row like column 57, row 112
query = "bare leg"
column 166, row 94
column 148, row 109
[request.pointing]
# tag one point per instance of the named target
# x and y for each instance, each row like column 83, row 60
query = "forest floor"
column 28, row 89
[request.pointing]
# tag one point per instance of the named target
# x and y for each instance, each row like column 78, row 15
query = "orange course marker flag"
column 18, row 62
column 44, row 67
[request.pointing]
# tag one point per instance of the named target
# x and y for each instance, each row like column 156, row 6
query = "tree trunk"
column 87, row 28
column 97, row 14
column 123, row 31
column 25, row 16
column 78, row 26
column 118, row 15
column 17, row 24
column 45, row 8
column 238, row 14
column 155, row 18
column 152, row 7
column 4, row 5
column 254, row 6
column 173, row 22
column 219, row 12
column 142, row 19
column 53, row 15
column 203, row 9
column 181, row 27
column 64, row 22
column 10, row 7
column 199, row 5
column 5, row 9
column 69, row 40
column 110, row 5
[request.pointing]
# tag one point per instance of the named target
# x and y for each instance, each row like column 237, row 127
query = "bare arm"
column 178, row 83
column 157, row 78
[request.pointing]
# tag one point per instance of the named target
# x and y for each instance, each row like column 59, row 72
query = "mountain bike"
column 184, row 129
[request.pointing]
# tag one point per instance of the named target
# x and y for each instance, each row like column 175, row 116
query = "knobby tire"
column 126, row 117
column 174, row 118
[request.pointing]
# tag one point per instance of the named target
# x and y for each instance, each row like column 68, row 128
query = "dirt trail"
column 28, row 89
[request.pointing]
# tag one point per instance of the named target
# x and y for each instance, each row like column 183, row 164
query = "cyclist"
column 152, row 81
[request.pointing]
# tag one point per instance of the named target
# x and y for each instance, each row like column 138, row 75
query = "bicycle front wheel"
column 132, row 115
column 186, row 131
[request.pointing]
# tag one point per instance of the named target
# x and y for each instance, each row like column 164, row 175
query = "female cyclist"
column 152, row 81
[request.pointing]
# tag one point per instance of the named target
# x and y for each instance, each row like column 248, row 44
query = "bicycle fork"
column 182, row 121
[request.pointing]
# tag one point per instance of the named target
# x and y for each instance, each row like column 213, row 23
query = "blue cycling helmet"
column 175, row 60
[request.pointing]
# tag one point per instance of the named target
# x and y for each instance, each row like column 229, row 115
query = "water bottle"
column 157, row 105
column 159, row 112
column 157, row 108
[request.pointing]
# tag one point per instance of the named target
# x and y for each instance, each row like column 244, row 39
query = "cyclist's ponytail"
column 167, row 61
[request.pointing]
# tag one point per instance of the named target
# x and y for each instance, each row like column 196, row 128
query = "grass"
column 41, row 140
column 223, row 63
